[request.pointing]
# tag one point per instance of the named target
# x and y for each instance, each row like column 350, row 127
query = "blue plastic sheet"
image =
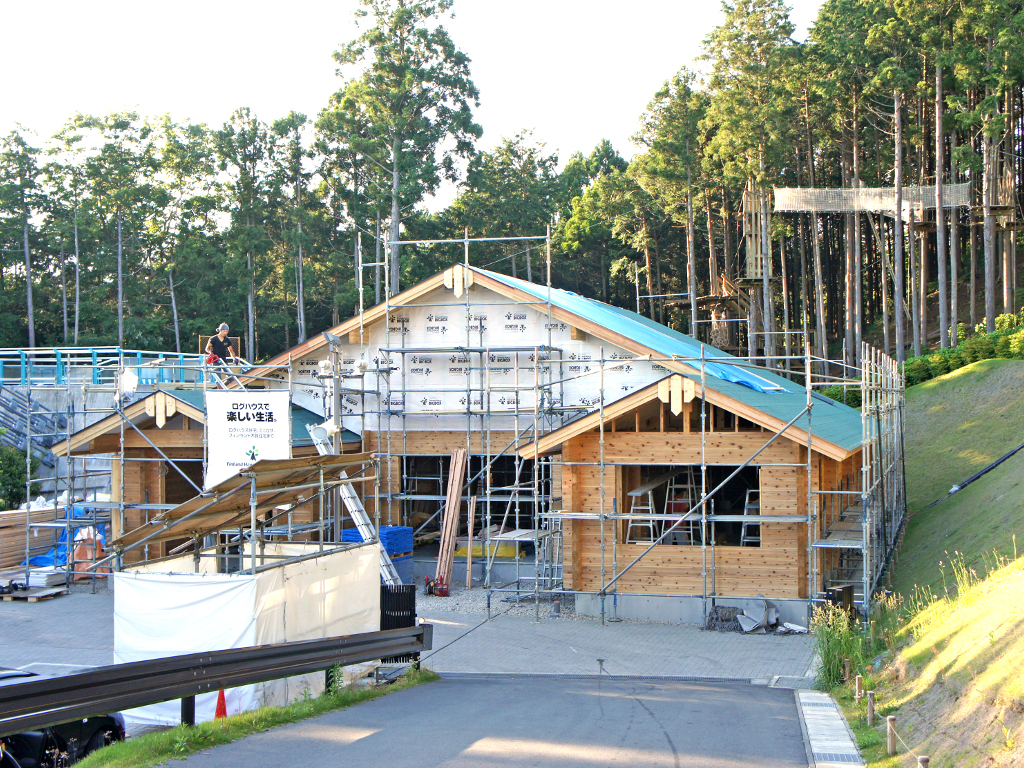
column 58, row 554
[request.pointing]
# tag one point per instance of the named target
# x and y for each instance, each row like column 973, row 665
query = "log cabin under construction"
column 600, row 431
column 641, row 467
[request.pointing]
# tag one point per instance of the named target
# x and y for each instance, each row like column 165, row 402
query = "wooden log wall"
column 777, row 568
column 438, row 443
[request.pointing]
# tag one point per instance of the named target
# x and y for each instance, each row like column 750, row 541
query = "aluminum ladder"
column 362, row 520
column 222, row 375
column 682, row 489
column 751, row 507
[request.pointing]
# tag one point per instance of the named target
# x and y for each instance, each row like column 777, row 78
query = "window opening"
column 655, row 497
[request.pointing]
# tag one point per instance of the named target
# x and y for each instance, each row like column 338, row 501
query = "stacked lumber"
column 12, row 534
column 450, row 517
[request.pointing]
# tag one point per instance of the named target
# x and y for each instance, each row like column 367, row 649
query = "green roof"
column 755, row 386
column 833, row 422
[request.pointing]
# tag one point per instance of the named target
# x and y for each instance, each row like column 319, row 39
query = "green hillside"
column 956, row 425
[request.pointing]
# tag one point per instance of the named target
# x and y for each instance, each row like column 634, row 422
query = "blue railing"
column 55, row 366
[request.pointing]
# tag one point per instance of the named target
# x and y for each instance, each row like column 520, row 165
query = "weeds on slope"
column 946, row 661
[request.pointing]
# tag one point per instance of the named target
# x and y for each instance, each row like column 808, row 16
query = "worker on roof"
column 219, row 347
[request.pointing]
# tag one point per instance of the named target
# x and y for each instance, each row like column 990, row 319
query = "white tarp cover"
column 168, row 614
column 244, row 427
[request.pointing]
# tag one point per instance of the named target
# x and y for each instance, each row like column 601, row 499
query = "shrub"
column 1005, row 343
column 986, row 348
column 850, row 396
column 835, row 639
column 969, row 350
column 917, row 371
column 937, row 365
column 1002, row 347
column 1017, row 344
column 979, row 348
column 961, row 332
column 1005, row 322
column 12, row 477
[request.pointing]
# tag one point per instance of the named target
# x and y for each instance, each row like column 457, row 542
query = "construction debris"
column 787, row 628
column 762, row 618
column 756, row 620
column 723, row 619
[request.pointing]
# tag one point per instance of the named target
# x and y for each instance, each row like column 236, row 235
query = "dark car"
column 58, row 745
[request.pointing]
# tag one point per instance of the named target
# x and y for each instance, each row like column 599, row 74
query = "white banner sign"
column 244, row 427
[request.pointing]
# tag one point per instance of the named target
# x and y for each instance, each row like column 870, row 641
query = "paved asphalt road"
column 469, row 721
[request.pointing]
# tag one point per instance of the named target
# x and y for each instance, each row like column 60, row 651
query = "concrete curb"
column 803, row 730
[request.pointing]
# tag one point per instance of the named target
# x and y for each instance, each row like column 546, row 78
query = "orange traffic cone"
column 222, row 707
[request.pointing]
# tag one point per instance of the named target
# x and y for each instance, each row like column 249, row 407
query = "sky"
column 572, row 71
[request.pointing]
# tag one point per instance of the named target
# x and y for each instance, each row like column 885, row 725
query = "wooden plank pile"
column 12, row 534
column 450, row 517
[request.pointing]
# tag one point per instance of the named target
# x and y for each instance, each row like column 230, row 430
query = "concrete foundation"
column 676, row 608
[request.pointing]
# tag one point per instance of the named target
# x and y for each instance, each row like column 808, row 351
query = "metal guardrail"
column 94, row 365
column 49, row 701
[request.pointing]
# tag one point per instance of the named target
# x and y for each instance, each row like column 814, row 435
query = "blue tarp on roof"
column 652, row 335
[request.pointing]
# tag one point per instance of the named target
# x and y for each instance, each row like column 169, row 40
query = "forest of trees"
column 145, row 232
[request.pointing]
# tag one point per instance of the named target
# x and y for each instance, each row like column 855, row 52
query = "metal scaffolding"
column 49, row 395
column 538, row 369
column 544, row 376
column 852, row 528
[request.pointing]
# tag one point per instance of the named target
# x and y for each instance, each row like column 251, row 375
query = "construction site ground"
column 76, row 631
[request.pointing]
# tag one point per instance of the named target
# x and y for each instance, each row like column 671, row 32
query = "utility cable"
column 438, row 650
column 975, row 476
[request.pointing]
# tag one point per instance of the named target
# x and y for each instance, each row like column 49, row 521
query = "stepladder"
column 680, row 497
column 751, row 532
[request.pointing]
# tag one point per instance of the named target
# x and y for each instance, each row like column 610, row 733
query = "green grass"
column 870, row 740
column 177, row 743
column 956, row 425
column 952, row 637
column 953, row 674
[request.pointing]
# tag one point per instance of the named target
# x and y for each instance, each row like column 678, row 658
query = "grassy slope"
column 956, row 425
column 956, row 687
